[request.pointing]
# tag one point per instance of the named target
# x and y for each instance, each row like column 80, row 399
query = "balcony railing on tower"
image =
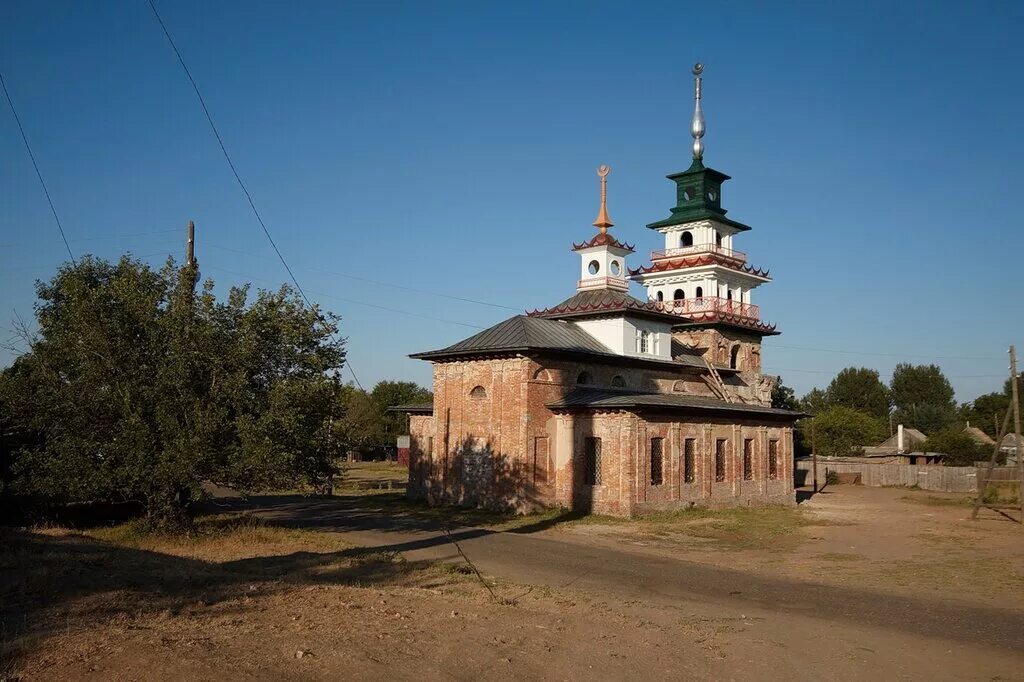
column 712, row 307
column 683, row 251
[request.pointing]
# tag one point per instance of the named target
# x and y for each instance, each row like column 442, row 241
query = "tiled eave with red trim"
column 664, row 265
column 608, row 307
column 716, row 317
column 603, row 240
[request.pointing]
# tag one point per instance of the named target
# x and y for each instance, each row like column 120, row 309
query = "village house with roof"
column 611, row 404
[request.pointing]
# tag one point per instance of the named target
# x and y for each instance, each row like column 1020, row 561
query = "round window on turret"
column 594, row 267
column 615, row 268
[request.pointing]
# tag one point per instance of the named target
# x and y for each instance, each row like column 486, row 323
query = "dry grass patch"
column 771, row 528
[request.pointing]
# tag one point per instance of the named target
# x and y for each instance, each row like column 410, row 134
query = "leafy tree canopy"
column 923, row 397
column 861, row 389
column 784, row 398
column 815, row 401
column 959, row 448
column 388, row 394
column 138, row 388
column 840, row 431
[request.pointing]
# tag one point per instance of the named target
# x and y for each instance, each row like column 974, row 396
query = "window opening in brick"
column 689, row 454
column 618, row 381
column 657, row 461
column 773, row 459
column 584, row 378
column 478, row 393
column 592, row 461
column 748, row 459
column 720, row 459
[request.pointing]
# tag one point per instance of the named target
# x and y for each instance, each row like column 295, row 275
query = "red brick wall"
column 501, row 447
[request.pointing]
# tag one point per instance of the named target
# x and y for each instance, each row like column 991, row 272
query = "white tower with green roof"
column 699, row 275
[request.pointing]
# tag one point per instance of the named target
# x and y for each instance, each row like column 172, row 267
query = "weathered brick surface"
column 495, row 443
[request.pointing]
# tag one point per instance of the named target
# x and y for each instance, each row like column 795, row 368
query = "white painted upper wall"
column 704, row 233
column 625, row 335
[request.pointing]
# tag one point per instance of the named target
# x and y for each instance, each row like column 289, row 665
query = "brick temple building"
column 612, row 404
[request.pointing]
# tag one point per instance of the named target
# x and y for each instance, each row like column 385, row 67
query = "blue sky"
column 450, row 147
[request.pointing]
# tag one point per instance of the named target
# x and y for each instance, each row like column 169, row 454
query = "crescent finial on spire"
column 603, row 222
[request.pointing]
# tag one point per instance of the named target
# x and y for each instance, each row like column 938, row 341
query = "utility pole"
column 190, row 248
column 1015, row 396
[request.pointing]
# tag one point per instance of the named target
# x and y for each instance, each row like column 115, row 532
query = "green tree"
column 861, row 389
column 783, row 397
column 959, row 448
column 815, row 401
column 387, row 394
column 840, row 431
column 985, row 410
column 923, row 397
column 138, row 388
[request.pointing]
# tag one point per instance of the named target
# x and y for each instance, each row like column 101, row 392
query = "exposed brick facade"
column 493, row 442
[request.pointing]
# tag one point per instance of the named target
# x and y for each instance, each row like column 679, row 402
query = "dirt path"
column 653, row 576
column 879, row 592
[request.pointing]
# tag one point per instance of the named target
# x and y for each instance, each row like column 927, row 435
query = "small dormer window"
column 643, row 341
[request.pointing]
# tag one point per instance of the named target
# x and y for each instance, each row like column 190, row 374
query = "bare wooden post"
column 982, row 483
column 1015, row 396
column 814, row 457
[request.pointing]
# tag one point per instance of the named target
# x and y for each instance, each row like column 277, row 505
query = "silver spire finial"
column 697, row 126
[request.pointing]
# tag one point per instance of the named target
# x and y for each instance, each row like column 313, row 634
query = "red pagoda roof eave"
column 676, row 264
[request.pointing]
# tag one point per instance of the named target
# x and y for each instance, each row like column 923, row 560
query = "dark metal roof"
column 413, row 408
column 605, row 302
column 612, row 399
column 521, row 333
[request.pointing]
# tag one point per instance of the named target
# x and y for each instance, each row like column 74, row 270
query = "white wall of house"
column 622, row 335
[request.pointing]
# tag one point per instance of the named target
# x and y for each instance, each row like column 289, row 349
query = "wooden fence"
column 938, row 478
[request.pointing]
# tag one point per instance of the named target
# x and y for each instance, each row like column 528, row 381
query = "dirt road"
column 805, row 614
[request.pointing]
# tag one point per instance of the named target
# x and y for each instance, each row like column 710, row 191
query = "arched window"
column 478, row 393
column 718, row 238
column 679, row 387
column 541, row 375
column 686, row 239
column 728, row 294
column 618, row 381
column 660, row 296
column 584, row 378
column 734, row 357
column 700, row 292
column 679, row 295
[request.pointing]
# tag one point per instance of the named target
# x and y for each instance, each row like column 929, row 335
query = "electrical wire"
column 234, row 171
column 28, row 147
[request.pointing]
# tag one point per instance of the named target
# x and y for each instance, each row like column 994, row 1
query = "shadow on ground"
column 47, row 581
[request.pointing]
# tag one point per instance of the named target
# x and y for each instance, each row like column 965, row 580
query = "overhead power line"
column 28, row 147
column 380, row 282
column 234, row 171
